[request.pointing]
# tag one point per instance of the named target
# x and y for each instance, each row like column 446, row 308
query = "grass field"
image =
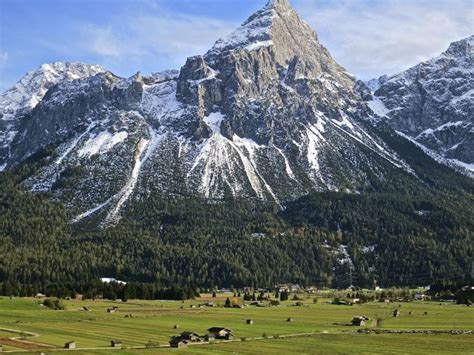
column 155, row 320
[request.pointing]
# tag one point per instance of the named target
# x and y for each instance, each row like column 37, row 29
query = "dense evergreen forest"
column 417, row 233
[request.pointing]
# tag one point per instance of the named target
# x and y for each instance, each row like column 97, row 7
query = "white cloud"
column 374, row 37
column 168, row 38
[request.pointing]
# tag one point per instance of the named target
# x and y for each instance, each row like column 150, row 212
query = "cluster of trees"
column 97, row 289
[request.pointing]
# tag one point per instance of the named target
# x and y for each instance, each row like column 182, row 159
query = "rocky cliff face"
column 266, row 113
column 433, row 104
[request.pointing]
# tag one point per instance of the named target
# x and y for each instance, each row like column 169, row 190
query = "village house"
column 177, row 342
column 115, row 343
column 70, row 345
column 359, row 321
column 190, row 336
column 249, row 321
column 396, row 313
column 221, row 333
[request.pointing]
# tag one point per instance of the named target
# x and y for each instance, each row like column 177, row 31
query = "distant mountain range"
column 433, row 104
column 265, row 114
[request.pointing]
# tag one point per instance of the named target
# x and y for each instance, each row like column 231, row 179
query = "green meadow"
column 316, row 328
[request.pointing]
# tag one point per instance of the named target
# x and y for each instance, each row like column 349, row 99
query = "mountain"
column 259, row 162
column 266, row 113
column 432, row 103
column 29, row 91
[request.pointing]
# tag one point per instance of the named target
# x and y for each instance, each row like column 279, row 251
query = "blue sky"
column 368, row 37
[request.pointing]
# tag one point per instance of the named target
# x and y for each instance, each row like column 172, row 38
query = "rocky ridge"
column 432, row 104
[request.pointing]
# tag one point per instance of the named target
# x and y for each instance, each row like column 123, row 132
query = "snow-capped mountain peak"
column 33, row 86
column 29, row 91
column 257, row 30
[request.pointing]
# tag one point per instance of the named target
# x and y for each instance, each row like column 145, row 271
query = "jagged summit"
column 462, row 47
column 278, row 27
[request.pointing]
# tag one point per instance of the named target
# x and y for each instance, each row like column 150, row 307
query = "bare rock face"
column 265, row 114
column 433, row 103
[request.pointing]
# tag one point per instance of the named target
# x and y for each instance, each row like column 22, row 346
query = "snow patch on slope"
column 74, row 143
column 378, row 107
column 102, row 143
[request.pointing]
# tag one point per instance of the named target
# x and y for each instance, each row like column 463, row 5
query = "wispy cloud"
column 376, row 37
column 145, row 37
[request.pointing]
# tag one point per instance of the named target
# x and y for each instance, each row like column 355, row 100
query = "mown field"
column 155, row 320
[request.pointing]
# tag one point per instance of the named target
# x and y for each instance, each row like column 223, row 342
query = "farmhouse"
column 114, row 343
column 359, row 321
column 111, row 310
column 70, row 345
column 221, row 333
column 179, row 343
column 190, row 336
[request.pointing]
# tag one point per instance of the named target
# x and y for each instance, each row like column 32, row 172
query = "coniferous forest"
column 418, row 233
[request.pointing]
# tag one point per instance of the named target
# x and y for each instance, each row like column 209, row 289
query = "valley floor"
column 25, row 326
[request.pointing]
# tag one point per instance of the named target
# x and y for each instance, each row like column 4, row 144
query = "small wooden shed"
column 70, row 345
column 115, row 343
column 359, row 321
column 250, row 321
